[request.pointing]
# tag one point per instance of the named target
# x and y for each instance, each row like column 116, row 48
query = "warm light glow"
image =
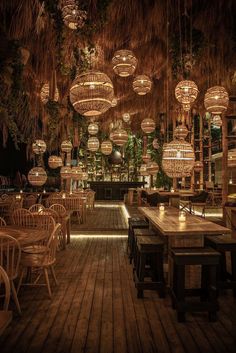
column 161, row 207
column 182, row 216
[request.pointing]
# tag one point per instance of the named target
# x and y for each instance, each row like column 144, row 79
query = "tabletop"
column 167, row 222
column 25, row 236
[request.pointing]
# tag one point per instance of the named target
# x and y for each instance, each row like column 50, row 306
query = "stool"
column 137, row 233
column 224, row 243
column 133, row 224
column 209, row 259
column 149, row 265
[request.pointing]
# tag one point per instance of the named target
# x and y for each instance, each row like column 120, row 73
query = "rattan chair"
column 29, row 201
column 22, row 217
column 42, row 262
column 5, row 290
column 10, row 254
column 37, row 207
column 64, row 220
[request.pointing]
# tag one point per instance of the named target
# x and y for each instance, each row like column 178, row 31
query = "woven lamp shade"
column 76, row 173
column 155, row 144
column 66, row 172
column 120, row 137
column 126, row 117
column 152, row 168
column 186, row 92
column 73, row 18
column 93, row 144
column 216, row 100
column 216, row 121
column 66, row 146
column 181, row 132
column 39, row 146
column 55, row 162
column 124, row 62
column 93, row 129
column 146, row 158
column 106, row 147
column 37, row 176
column 232, row 158
column 142, row 85
column 143, row 170
column 148, row 125
column 198, row 166
column 178, row 158
column 44, row 94
column 91, row 93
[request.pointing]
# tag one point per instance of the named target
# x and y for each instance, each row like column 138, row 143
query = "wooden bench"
column 149, row 272
column 139, row 232
column 223, row 244
column 133, row 224
column 209, row 259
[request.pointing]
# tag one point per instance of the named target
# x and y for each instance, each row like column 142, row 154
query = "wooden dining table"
column 25, row 236
column 188, row 233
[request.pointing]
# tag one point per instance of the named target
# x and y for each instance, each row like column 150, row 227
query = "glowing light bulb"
column 36, row 174
column 91, row 86
column 216, row 97
column 124, row 58
column 178, row 154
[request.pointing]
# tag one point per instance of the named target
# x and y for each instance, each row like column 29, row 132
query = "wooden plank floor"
column 95, row 309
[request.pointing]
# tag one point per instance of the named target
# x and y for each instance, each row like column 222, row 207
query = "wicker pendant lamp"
column 148, row 125
column 44, row 94
column 181, row 132
column 119, row 137
column 66, row 146
column 142, row 85
column 39, row 146
column 186, row 92
column 76, row 173
column 73, row 18
column 37, row 176
column 106, row 147
column 124, row 62
column 55, row 162
column 198, row 166
column 66, row 172
column 143, row 170
column 93, row 128
column 93, row 144
column 91, row 93
column 216, row 100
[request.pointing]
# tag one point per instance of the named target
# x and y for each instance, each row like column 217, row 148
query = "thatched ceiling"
column 160, row 33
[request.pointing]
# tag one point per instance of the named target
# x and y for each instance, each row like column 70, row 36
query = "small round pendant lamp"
column 72, row 16
column 93, row 144
column 143, row 170
column 148, row 125
column 37, row 176
column 106, row 147
column 54, row 162
column 186, row 92
column 66, row 172
column 142, row 85
column 93, row 128
column 119, row 137
column 216, row 100
column 66, row 146
column 181, row 132
column 198, row 166
column 76, row 173
column 39, row 146
column 124, row 62
column 152, row 168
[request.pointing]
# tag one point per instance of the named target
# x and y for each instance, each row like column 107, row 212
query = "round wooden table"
column 25, row 236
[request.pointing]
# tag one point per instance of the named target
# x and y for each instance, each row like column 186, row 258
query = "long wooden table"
column 25, row 236
column 182, row 234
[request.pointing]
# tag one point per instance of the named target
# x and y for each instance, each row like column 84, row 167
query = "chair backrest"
column 4, row 282
column 2, row 222
column 22, row 217
column 50, row 253
column 60, row 209
column 36, row 207
column 44, row 221
column 10, row 253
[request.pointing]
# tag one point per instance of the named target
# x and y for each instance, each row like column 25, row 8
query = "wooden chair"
column 37, row 207
column 64, row 220
column 5, row 315
column 10, row 254
column 15, row 204
column 22, row 217
column 2, row 222
column 42, row 262
column 29, row 201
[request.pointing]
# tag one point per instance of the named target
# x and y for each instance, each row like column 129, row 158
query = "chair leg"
column 47, row 282
column 20, row 281
column 54, row 275
column 68, row 231
column 14, row 294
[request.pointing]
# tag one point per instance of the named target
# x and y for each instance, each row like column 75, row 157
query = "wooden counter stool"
column 139, row 232
column 133, row 224
column 149, row 272
column 223, row 244
column 209, row 259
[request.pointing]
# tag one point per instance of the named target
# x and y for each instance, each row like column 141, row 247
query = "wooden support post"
column 192, row 135
column 201, row 150
column 209, row 152
column 224, row 163
column 68, row 163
